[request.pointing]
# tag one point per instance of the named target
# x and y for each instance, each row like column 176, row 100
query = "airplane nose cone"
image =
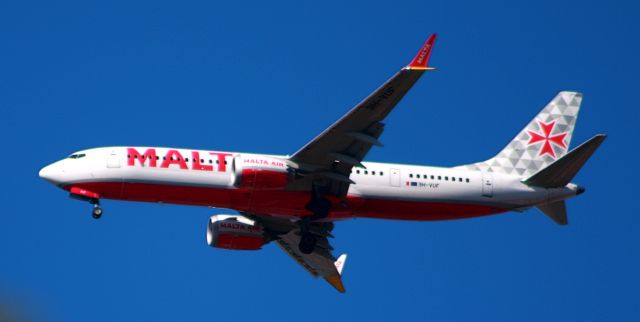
column 45, row 172
column 50, row 173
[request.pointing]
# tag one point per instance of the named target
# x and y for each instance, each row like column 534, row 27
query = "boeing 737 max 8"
column 295, row 200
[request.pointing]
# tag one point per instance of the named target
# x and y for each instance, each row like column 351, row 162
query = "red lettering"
column 222, row 165
column 133, row 155
column 196, row 163
column 169, row 160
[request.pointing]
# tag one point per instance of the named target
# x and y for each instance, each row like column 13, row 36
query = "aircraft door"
column 113, row 160
column 395, row 177
column 487, row 184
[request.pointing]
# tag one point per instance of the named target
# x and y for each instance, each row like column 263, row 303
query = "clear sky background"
column 269, row 76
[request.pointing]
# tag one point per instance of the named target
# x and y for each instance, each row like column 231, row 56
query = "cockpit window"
column 77, row 156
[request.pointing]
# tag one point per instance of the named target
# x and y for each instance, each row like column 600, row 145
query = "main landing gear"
column 307, row 239
column 96, row 213
column 320, row 207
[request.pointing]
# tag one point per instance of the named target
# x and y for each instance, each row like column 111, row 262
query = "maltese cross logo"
column 547, row 138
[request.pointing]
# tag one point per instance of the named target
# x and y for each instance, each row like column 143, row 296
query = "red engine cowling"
column 264, row 179
column 234, row 232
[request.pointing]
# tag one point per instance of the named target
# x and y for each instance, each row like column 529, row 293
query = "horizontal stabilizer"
column 557, row 211
column 560, row 172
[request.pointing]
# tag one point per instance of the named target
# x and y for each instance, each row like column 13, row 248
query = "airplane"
column 294, row 200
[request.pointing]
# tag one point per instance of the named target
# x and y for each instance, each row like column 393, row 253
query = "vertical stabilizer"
column 544, row 140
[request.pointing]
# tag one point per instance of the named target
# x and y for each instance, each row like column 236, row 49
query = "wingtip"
column 336, row 282
column 421, row 59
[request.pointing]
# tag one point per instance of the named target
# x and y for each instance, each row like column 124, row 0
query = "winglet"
column 339, row 263
column 422, row 58
column 336, row 279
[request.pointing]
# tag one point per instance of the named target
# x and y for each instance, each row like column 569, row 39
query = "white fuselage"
column 258, row 183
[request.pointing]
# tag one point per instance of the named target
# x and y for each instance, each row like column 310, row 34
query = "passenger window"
column 410, row 175
column 459, row 179
column 186, row 159
column 201, row 160
column 366, row 172
column 432, row 177
column 467, row 179
column 446, row 178
column 381, row 173
column 439, row 177
column 453, row 179
column 373, row 173
column 358, row 171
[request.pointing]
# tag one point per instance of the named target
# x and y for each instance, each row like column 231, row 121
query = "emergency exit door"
column 487, row 184
column 395, row 177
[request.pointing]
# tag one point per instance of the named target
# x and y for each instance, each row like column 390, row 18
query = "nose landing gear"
column 96, row 213
column 90, row 196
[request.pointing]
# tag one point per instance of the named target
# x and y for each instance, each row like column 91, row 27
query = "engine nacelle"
column 235, row 232
column 260, row 172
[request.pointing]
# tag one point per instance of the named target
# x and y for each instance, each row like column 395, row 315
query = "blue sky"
column 269, row 76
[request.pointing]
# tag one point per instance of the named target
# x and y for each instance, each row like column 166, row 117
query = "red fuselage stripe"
column 283, row 203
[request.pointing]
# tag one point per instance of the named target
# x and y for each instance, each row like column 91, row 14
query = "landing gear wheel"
column 320, row 207
column 97, row 212
column 307, row 243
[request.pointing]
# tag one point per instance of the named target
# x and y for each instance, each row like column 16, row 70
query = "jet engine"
column 235, row 232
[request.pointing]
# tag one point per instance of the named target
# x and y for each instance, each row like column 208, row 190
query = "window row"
column 445, row 178
column 142, row 157
column 373, row 172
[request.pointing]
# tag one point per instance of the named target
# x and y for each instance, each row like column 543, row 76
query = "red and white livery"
column 295, row 200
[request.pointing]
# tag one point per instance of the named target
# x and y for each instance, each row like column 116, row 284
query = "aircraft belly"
column 425, row 202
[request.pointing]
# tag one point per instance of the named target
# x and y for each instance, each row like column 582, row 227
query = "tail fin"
column 544, row 140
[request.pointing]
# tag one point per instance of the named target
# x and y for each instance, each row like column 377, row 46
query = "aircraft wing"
column 329, row 157
column 321, row 262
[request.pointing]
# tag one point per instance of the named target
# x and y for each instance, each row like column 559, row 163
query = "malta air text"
column 174, row 158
